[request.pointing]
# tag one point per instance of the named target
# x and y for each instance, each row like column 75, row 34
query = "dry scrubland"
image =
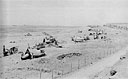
column 49, row 67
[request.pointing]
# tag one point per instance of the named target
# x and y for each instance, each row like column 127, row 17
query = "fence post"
column 71, row 66
column 28, row 46
column 114, row 51
column 99, row 55
column 85, row 61
column 52, row 74
column 40, row 73
column 25, row 76
column 110, row 52
column 62, row 72
column 105, row 53
column 95, row 57
column 92, row 58
column 88, row 60
column 78, row 63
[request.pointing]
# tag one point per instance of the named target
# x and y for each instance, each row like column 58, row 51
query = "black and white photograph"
column 64, row 39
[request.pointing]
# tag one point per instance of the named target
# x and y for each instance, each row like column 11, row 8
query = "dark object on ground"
column 96, row 37
column 39, row 46
column 37, row 55
column 20, row 52
column 89, row 29
column 92, row 33
column 122, row 57
column 28, row 34
column 87, row 38
column 77, row 39
column 12, row 42
column 7, row 52
column 103, row 37
column 60, row 57
column 48, row 42
column 29, row 55
column 113, row 72
column 60, row 47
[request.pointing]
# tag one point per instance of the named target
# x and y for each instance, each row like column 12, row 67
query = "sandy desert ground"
column 94, row 54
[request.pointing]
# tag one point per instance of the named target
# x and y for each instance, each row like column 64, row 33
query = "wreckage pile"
column 27, row 55
column 30, row 55
column 28, row 34
column 94, row 33
column 7, row 52
column 48, row 42
column 80, row 39
column 97, row 33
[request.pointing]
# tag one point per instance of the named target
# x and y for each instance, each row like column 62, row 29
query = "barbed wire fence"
column 83, row 61
column 86, row 60
column 124, row 27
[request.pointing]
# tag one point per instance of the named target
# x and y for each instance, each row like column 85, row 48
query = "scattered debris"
column 68, row 55
column 39, row 46
column 12, row 42
column 77, row 39
column 122, row 57
column 31, row 55
column 113, row 72
column 48, row 42
column 37, row 55
column 28, row 34
column 27, row 55
column 94, row 33
column 7, row 52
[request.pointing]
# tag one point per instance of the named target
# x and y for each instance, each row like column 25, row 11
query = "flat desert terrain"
column 98, row 58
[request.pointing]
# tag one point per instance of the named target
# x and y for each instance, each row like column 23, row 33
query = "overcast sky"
column 64, row 12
